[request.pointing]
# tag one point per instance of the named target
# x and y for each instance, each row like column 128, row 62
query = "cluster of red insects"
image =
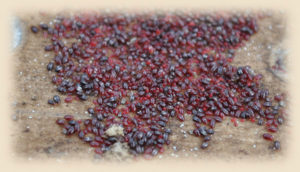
column 141, row 70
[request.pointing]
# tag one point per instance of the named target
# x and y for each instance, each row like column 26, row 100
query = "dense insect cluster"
column 140, row 70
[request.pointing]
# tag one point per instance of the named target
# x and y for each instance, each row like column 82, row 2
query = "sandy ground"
column 35, row 134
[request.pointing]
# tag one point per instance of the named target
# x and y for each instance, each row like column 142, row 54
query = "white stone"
column 115, row 130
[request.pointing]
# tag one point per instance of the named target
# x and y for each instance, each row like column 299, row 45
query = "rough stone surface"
column 115, row 130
